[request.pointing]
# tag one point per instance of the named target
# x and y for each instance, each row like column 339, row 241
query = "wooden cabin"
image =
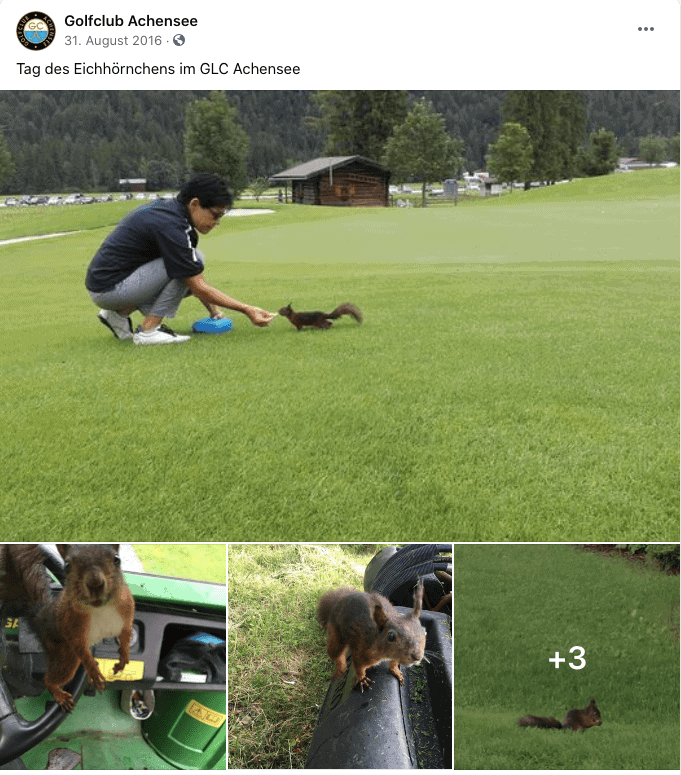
column 340, row 181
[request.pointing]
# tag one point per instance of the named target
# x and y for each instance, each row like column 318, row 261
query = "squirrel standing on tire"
column 95, row 603
column 577, row 718
column 318, row 319
column 367, row 624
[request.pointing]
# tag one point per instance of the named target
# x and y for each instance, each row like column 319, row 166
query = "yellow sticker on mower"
column 205, row 715
column 133, row 671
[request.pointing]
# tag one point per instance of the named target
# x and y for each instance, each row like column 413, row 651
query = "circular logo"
column 35, row 30
column 178, row 40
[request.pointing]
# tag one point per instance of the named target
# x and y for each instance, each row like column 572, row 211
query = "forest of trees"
column 88, row 140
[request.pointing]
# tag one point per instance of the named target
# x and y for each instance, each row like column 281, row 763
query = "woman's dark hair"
column 211, row 191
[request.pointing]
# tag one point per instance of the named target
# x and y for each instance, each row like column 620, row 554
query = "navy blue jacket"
column 160, row 229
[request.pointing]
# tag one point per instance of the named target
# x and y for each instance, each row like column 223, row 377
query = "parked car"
column 11, row 201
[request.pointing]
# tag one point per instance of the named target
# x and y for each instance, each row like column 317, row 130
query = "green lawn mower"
column 168, row 713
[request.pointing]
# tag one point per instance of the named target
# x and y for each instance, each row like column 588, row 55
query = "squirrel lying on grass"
column 318, row 319
column 94, row 604
column 367, row 624
column 577, row 718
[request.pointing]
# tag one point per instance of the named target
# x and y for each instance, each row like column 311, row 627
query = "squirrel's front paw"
column 64, row 700
column 97, row 679
column 364, row 683
column 118, row 667
column 395, row 670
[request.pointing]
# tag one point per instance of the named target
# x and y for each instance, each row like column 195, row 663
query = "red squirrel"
column 318, row 319
column 577, row 718
column 95, row 603
column 374, row 631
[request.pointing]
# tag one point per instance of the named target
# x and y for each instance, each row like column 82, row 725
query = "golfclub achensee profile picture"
column 35, row 30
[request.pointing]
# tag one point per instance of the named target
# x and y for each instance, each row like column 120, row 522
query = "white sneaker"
column 121, row 326
column 160, row 335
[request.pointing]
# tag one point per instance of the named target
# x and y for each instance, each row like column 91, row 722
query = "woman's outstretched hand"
column 260, row 317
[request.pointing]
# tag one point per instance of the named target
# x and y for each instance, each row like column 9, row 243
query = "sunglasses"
column 216, row 214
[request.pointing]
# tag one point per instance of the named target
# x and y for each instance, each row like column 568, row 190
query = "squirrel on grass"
column 318, row 319
column 367, row 624
column 95, row 603
column 577, row 718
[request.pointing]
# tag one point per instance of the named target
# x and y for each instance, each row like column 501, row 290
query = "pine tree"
column 215, row 142
column 556, row 122
column 421, row 150
column 6, row 162
column 653, row 149
column 510, row 157
column 601, row 155
column 360, row 122
column 572, row 132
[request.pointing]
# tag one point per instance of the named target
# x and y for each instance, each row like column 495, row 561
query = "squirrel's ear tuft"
column 418, row 598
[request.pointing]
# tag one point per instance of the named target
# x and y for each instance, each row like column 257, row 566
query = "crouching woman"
column 150, row 262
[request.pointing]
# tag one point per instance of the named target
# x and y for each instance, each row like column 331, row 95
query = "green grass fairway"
column 516, row 378
column 515, row 607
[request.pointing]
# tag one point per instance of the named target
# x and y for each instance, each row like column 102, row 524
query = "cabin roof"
column 315, row 166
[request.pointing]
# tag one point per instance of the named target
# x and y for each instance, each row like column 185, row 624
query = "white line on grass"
column 37, row 236
column 63, row 233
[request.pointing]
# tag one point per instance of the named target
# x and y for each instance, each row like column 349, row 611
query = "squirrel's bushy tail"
column 540, row 721
column 24, row 584
column 346, row 309
column 328, row 601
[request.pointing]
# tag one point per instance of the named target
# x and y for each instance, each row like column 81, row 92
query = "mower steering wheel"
column 17, row 736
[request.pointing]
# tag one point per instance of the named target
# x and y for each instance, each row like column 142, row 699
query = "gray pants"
column 148, row 289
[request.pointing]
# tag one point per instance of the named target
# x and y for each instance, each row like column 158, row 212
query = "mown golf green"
column 515, row 607
column 516, row 378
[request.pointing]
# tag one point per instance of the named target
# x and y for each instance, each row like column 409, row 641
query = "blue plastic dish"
column 212, row 326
